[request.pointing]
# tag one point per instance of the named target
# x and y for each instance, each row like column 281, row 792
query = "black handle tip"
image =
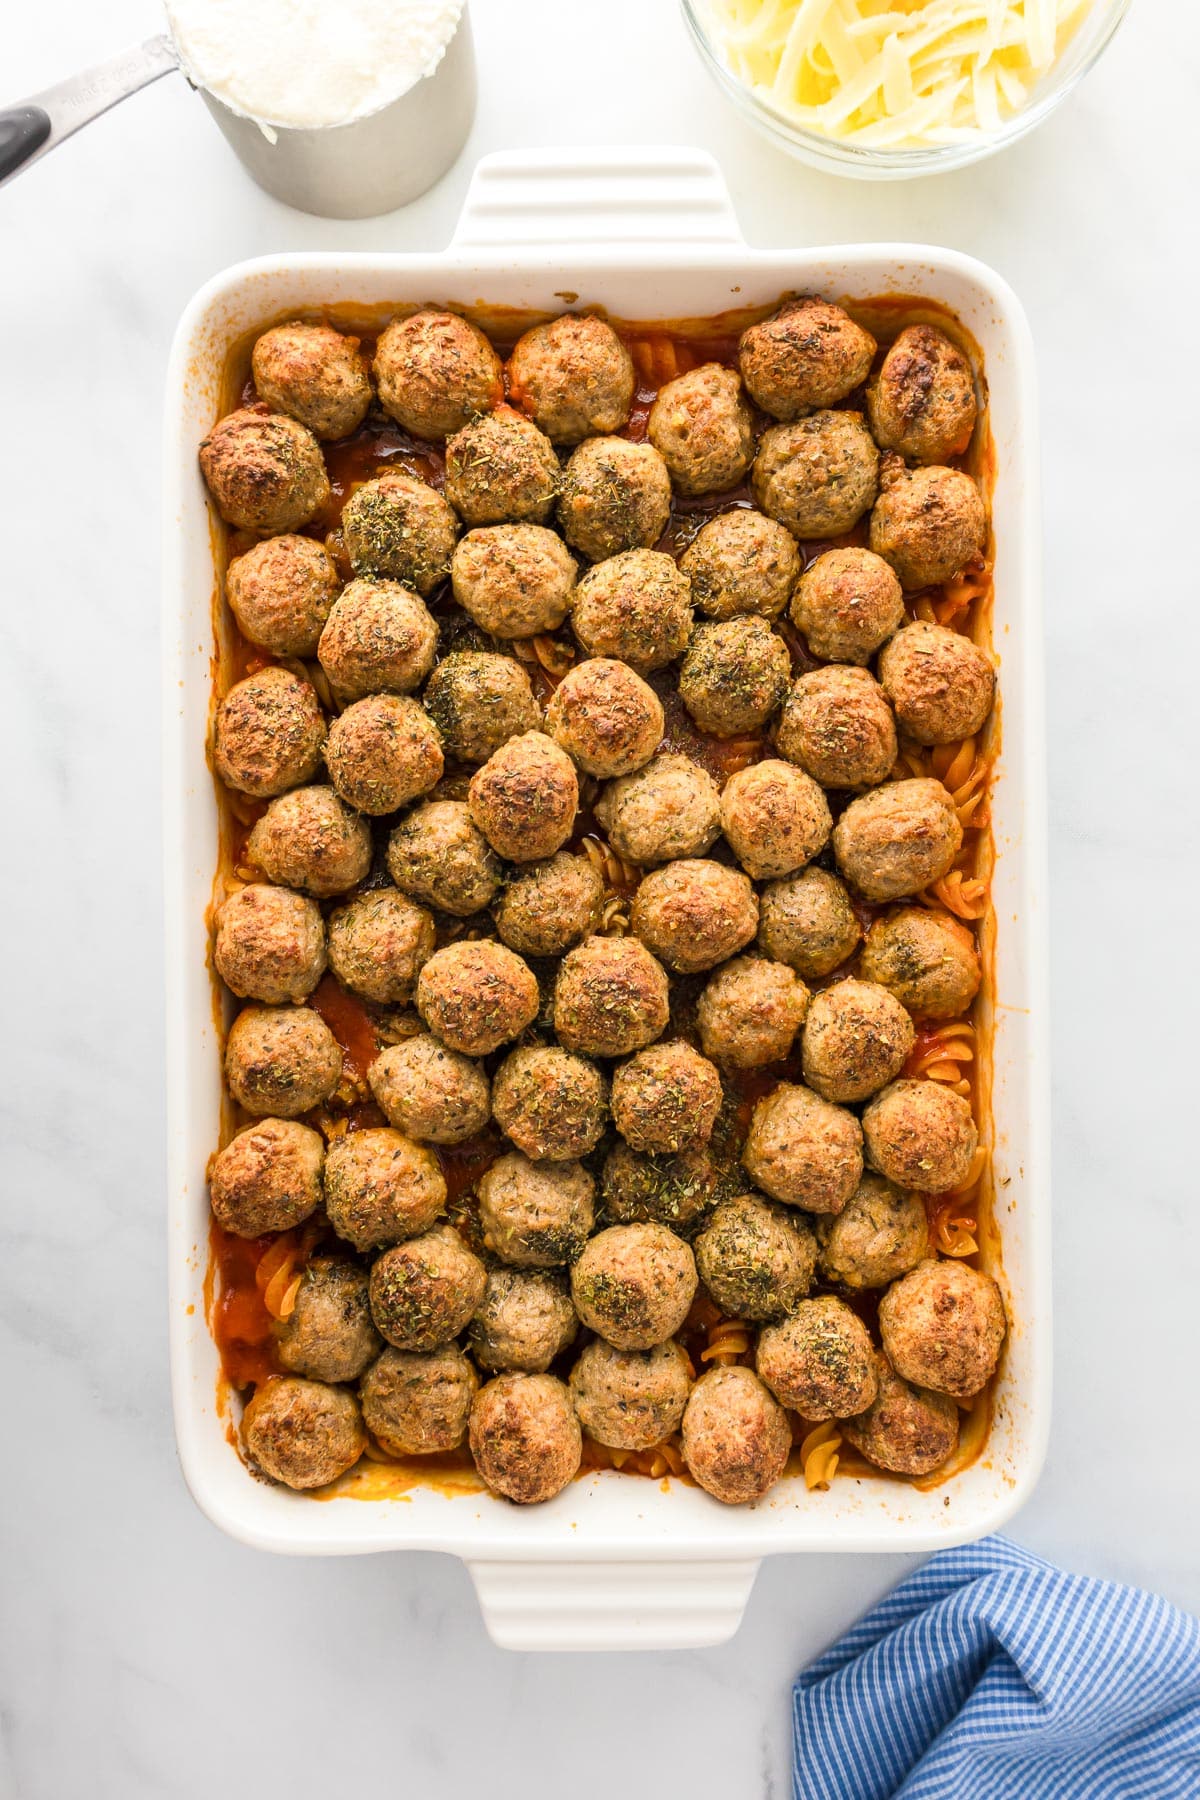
column 23, row 130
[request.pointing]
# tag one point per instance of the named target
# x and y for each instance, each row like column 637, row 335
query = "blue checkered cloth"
column 992, row 1675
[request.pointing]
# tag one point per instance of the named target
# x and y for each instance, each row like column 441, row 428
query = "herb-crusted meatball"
column 750, row 1012
column 942, row 1326
column 634, row 1284
column 437, row 855
column 897, row 839
column 906, row 1430
column 848, row 603
column 383, row 752
column 378, row 943
column 694, row 914
column 269, row 733
column 630, row 1399
column 940, row 683
column 928, row 523
column 856, row 1039
column 742, row 563
column 819, row 476
column 270, row 944
column 669, row 809
column 550, row 1103
column 328, row 1335
column 634, row 606
column 514, row 581
column 524, row 1321
column 880, row 1233
column 425, row 1291
column 807, row 921
column 435, row 371
column 501, row 469
column 775, row 818
column 678, row 1191
column 267, row 1178
column 536, row 1215
column 808, row 353
column 379, row 638
column 548, row 906
column 616, row 496
column 479, row 701
column 573, row 376
column 281, row 1060
column 430, row 1093
column 525, row 1437
column 927, row 959
column 838, row 727
column 311, row 839
column 666, row 1098
column 736, row 1437
column 280, row 592
column 398, row 526
column 525, row 797
column 314, row 374
column 803, row 1150
column 475, row 996
column 820, row 1360
column 381, row 1188
column 605, row 717
column 734, row 676
column 922, row 401
column 756, row 1260
column 921, row 1135
column 610, row 998
column 703, row 429
column 302, row 1433
column 418, row 1404
column 264, row 470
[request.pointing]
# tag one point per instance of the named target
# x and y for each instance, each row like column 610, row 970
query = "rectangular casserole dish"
column 613, row 1562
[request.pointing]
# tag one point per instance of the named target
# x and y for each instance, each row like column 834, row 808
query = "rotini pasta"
column 728, row 1341
column 552, row 655
column 819, row 1455
column 945, row 1055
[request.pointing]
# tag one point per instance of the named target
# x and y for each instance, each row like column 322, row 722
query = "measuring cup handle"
column 33, row 126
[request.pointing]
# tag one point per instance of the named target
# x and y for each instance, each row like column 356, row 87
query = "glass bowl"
column 1092, row 37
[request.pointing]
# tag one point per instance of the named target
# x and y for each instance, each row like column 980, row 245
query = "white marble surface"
column 143, row 1656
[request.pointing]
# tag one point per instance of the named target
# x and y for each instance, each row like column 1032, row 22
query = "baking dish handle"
column 528, row 200
column 612, row 1605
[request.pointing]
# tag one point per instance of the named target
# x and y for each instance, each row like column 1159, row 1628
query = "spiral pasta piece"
column 820, row 1454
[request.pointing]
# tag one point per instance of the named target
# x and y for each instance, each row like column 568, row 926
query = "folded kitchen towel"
column 992, row 1675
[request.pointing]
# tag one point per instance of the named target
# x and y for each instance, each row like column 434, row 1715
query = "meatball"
column 880, row 1233
column 398, row 526
column 634, row 1285
column 630, row 1399
column 383, row 752
column 703, row 429
column 742, row 562
column 573, row 376
column 380, row 1188
column 267, row 1178
column 270, row 944
column 514, row 581
column 820, row 1360
column 678, row 1191
column 536, row 1215
column 615, row 497
column 605, row 717
column 430, row 1093
column 734, row 676
column 775, row 818
column 819, row 476
column 922, row 401
column 264, row 471
column 280, row 592
column 940, row 683
column 736, row 1437
column 848, row 603
column 328, row 1335
column 756, row 1260
column 807, row 921
column 856, row 1039
column 694, row 914
column 435, row 371
column 808, row 353
column 281, row 1060
column 921, row 1135
column 501, row 469
column 550, row 1103
column 906, row 1430
column 479, row 701
column 311, row 839
column 475, row 996
column 437, row 855
column 897, row 839
column 525, row 1437
column 927, row 959
column 635, row 606
column 610, row 998
column 803, row 1150
column 314, row 374
column 750, row 1012
column 425, row 1291
column 525, row 797
column 418, row 1404
column 379, row 638
column 838, row 727
column 302, row 1433
column 378, row 944
column 928, row 523
column 548, row 906
column 669, row 809
column 666, row 1098
column 269, row 733
column 524, row 1321
column 942, row 1326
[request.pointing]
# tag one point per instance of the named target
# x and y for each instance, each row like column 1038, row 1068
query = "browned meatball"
column 703, row 429
column 856, row 1039
column 940, row 683
column 315, row 374
column 906, row 1430
column 281, row 1060
column 476, row 996
column 694, row 914
column 897, row 839
column 514, row 581
column 880, row 1233
column 501, row 469
column 615, row 496
column 383, row 752
column 280, row 593
column 775, row 818
column 418, row 1404
column 928, row 523
column 524, row 1321
column 328, row 1335
column 378, row 943
column 803, row 1150
column 848, row 603
column 269, row 733
column 678, row 1191
column 630, row 1399
column 921, row 1136
column 942, row 1326
column 820, row 1360
column 819, row 476
column 270, row 944
column 535, row 1215
column 927, row 959
column 756, row 1260
column 398, row 526
column 669, row 809
column 380, row 1188
column 736, row 1437
column 742, row 562
column 838, row 726
column 750, row 1012
column 922, row 401
column 525, row 1437
column 267, row 1178
column 550, row 1103
column 548, row 906
column 605, row 717
column 634, row 1285
column 479, row 701
column 734, row 676
column 808, row 353
column 302, row 1433
column 435, row 371
column 379, row 638
column 432, row 1094
column 437, row 855
column 573, row 376
column 311, row 839
column 525, row 798
column 611, row 998
column 424, row 1292
column 806, row 921
column 666, row 1098
column 635, row 606
column 264, row 470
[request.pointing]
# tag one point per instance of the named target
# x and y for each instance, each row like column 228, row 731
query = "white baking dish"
column 614, row 1561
